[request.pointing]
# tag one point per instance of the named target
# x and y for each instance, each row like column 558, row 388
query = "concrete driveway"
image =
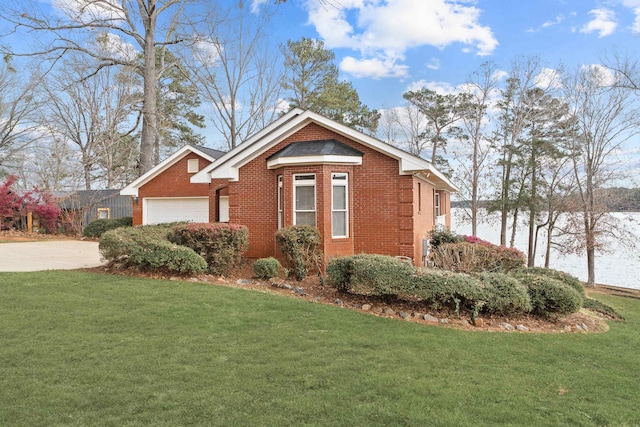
column 52, row 255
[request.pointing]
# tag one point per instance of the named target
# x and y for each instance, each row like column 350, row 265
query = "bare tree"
column 406, row 127
column 237, row 71
column 94, row 114
column 18, row 105
column 127, row 23
column 607, row 117
column 481, row 88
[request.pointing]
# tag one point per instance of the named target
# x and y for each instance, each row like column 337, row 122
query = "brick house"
column 364, row 195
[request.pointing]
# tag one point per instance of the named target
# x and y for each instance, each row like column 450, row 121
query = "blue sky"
column 388, row 47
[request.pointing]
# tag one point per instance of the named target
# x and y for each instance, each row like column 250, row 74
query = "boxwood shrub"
column 504, row 294
column 379, row 275
column 266, row 268
column 96, row 228
column 442, row 288
column 147, row 248
column 220, row 244
column 565, row 278
column 550, row 297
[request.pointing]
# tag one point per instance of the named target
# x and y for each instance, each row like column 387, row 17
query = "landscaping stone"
column 243, row 282
column 277, row 281
column 299, row 291
column 478, row 322
column 506, row 326
column 584, row 327
column 404, row 315
column 522, row 328
column 366, row 307
column 175, row 278
column 444, row 321
column 567, row 328
column 389, row 311
column 377, row 310
column 287, row 286
column 430, row 318
column 317, row 299
column 338, row 301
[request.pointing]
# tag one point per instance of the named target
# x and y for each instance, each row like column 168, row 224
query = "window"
column 339, row 205
column 419, row 197
column 193, row 165
column 304, row 193
column 103, row 213
column 436, row 203
column 280, row 202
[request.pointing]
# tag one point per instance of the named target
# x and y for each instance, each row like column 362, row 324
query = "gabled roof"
column 204, row 152
column 227, row 166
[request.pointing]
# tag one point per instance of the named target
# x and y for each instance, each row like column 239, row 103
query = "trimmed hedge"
column 146, row 248
column 300, row 245
column 220, row 244
column 441, row 288
column 266, row 268
column 505, row 295
column 379, row 275
column 550, row 297
column 96, row 228
column 565, row 278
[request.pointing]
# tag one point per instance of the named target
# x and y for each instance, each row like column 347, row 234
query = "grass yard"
column 87, row 349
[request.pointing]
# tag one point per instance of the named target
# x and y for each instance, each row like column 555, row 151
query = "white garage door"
column 195, row 209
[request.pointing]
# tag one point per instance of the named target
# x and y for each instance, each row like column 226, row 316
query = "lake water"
column 621, row 267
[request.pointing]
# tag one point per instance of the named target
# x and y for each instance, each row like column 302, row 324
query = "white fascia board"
column 306, row 160
column 132, row 189
column 222, row 167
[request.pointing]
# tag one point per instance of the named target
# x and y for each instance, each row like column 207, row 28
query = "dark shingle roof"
column 210, row 151
column 324, row 147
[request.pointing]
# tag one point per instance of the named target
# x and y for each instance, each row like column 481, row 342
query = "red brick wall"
column 380, row 201
column 173, row 182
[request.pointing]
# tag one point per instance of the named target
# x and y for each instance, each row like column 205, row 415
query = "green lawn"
column 88, row 349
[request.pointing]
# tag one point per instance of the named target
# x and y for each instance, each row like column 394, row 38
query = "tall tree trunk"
column 149, row 108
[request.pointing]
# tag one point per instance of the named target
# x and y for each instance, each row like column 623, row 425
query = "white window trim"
column 343, row 182
column 193, row 165
column 280, row 203
column 305, row 183
column 436, row 204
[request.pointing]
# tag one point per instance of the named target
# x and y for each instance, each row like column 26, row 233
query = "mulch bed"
column 311, row 289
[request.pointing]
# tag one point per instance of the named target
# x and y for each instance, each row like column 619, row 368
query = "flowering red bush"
column 15, row 206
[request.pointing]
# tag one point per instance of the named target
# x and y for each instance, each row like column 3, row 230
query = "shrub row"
column 147, row 248
column 488, row 292
column 176, row 248
column 220, row 244
column 96, row 228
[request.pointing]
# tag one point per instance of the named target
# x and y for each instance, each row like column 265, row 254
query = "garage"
column 172, row 209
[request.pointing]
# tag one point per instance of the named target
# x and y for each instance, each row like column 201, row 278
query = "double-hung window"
column 304, row 193
column 437, row 204
column 339, row 205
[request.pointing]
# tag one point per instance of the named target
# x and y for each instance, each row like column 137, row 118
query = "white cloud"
column 443, row 88
column 604, row 22
column 113, row 45
column 206, row 51
column 87, row 10
column 548, row 78
column 385, row 30
column 602, row 75
column 551, row 23
column 374, row 67
column 256, row 5
column 434, row 64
